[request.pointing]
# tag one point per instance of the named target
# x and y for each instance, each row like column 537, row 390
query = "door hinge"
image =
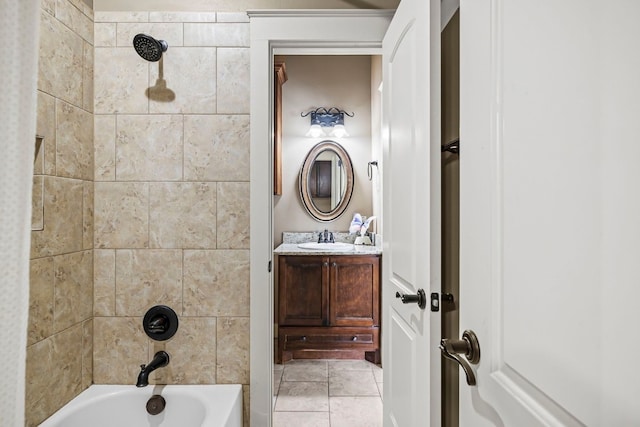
column 269, row 267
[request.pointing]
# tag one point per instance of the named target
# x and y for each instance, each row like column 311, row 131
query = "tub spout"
column 160, row 360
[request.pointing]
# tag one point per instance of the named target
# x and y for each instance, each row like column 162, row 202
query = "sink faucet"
column 160, row 360
column 326, row 237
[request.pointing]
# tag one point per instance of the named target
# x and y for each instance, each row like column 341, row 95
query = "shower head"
column 149, row 48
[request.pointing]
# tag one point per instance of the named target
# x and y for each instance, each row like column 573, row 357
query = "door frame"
column 321, row 32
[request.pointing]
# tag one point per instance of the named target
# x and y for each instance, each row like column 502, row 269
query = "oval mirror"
column 326, row 181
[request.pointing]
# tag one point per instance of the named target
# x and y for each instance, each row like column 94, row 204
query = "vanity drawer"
column 329, row 338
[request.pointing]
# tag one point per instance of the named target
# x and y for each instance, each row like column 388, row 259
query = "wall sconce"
column 332, row 118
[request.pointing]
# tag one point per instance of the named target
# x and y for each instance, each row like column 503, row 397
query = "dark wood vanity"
column 329, row 307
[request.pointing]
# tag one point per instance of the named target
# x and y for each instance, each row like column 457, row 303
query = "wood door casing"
column 279, row 77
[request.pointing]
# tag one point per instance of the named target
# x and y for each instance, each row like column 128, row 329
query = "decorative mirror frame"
column 305, row 196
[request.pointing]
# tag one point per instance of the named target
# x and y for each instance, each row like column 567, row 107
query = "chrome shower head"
column 149, row 48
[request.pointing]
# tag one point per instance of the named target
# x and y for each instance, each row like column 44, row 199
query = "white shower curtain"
column 19, row 35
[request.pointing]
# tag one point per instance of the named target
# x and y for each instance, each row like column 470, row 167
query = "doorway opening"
column 333, row 374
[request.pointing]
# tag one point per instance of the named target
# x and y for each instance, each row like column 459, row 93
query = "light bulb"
column 339, row 131
column 314, row 131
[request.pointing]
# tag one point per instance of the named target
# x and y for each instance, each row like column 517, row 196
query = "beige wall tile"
column 46, row 127
column 88, row 10
column 246, row 405
column 233, row 17
column 216, row 283
column 182, row 17
column 192, row 353
column 233, row 350
column 74, row 142
column 87, row 78
column 233, row 81
column 229, row 35
column 101, row 16
column 145, row 278
column 72, row 16
column 104, row 147
column 53, row 374
column 40, row 299
column 60, row 61
column 48, row 6
column 73, row 289
column 169, row 32
column 233, row 215
column 149, row 148
column 38, row 397
column 120, row 346
column 77, row 3
column 87, row 215
column 37, row 203
column 87, row 353
column 216, row 148
column 62, row 218
column 121, row 80
column 189, row 84
column 121, row 215
column 182, row 215
column 104, row 282
column 104, row 34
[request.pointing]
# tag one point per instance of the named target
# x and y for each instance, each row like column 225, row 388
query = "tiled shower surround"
column 155, row 208
column 59, row 337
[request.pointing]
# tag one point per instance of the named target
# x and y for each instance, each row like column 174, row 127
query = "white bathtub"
column 125, row 406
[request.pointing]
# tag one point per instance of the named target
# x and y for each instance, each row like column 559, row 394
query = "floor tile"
column 352, row 383
column 350, row 365
column 302, row 396
column 305, row 373
column 355, row 411
column 305, row 362
column 301, row 419
column 377, row 373
column 277, row 378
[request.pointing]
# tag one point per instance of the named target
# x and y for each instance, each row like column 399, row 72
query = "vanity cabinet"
column 329, row 307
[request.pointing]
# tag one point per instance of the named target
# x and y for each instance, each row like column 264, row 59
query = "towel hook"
column 370, row 168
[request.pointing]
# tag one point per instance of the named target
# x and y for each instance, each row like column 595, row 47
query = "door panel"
column 354, row 291
column 411, row 210
column 544, row 202
column 303, row 290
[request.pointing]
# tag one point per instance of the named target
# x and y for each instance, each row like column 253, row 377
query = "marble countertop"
column 293, row 249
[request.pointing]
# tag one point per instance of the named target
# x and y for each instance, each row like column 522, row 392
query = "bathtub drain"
column 156, row 404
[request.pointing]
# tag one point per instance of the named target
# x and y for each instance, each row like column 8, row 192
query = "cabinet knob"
column 326, row 264
column 304, row 338
column 354, row 339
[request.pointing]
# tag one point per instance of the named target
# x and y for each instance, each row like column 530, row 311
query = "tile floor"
column 327, row 393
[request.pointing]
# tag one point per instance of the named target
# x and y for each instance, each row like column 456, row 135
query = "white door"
column 411, row 200
column 550, row 211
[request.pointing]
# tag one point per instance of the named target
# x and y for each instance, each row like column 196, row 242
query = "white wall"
column 323, row 81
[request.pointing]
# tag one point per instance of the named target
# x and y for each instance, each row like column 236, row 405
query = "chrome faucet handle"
column 320, row 237
column 331, row 240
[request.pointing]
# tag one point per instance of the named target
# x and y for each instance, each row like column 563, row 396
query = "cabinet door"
column 354, row 291
column 303, row 290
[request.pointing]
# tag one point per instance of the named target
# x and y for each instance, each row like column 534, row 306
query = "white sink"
column 338, row 246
